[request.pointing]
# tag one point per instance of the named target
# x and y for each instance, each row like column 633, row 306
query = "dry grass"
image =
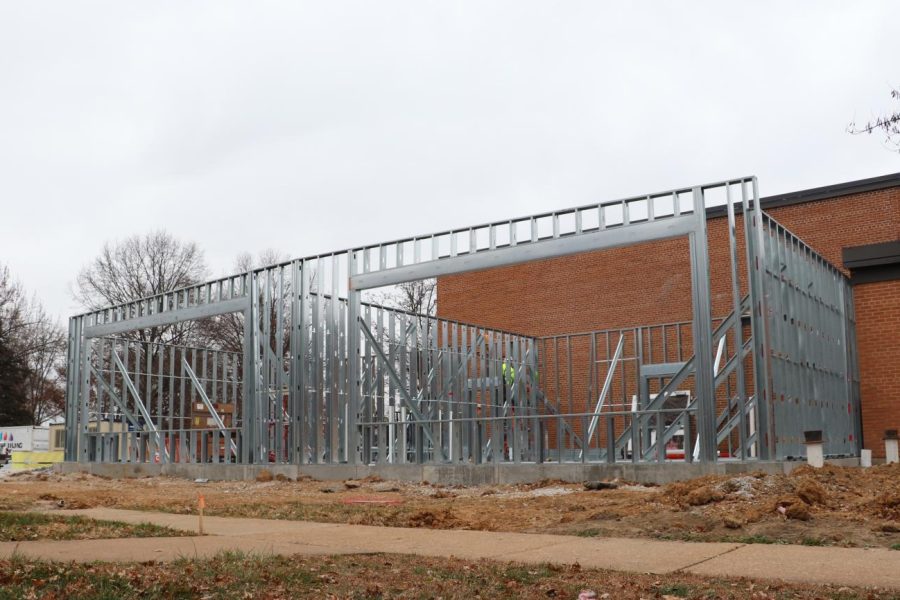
column 17, row 527
column 234, row 575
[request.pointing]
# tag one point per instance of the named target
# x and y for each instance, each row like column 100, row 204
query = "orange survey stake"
column 201, row 504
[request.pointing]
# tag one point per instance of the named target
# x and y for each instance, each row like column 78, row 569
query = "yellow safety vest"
column 509, row 373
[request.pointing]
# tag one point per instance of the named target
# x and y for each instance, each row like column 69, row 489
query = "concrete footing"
column 444, row 474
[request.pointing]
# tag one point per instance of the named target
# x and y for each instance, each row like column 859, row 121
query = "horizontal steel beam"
column 168, row 318
column 529, row 251
column 661, row 369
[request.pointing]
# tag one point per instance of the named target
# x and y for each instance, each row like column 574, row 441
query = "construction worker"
column 509, row 377
column 509, row 372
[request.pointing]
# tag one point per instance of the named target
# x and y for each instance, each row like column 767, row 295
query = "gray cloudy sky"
column 308, row 127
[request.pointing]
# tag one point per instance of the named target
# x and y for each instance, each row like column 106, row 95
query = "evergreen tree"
column 13, row 394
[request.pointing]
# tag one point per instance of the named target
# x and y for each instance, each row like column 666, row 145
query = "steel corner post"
column 702, row 332
column 353, row 357
column 250, row 452
column 72, row 382
column 759, row 315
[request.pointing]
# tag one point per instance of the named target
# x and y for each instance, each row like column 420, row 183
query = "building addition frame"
column 328, row 378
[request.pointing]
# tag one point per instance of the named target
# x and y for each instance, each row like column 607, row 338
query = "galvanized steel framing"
column 327, row 378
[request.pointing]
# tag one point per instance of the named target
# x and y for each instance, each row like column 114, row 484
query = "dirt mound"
column 793, row 507
column 811, row 492
column 798, row 512
column 678, row 493
column 845, row 505
column 444, row 519
column 732, row 522
column 887, row 504
column 857, row 493
column 704, row 495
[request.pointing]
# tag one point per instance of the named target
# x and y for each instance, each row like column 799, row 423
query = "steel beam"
column 167, row 318
column 529, row 251
column 661, row 369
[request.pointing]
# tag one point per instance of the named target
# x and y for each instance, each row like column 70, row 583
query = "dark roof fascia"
column 870, row 255
column 875, row 274
column 873, row 263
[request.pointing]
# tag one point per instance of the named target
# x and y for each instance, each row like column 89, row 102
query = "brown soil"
column 829, row 506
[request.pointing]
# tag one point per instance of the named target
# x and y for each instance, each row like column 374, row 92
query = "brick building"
column 854, row 225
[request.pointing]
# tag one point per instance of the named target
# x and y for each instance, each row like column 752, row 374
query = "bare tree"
column 12, row 310
column 419, row 297
column 889, row 124
column 226, row 332
column 32, row 347
column 141, row 266
column 45, row 386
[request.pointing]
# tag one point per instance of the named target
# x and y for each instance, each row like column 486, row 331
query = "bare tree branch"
column 141, row 266
column 418, row 297
column 226, row 332
column 888, row 123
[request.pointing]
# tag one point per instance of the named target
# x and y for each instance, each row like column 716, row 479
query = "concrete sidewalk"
column 841, row 566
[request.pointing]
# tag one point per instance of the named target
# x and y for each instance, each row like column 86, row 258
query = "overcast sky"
column 308, row 127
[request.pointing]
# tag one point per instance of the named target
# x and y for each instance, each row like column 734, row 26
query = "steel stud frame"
column 327, row 378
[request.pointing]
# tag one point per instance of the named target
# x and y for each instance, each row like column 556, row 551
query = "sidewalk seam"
column 550, row 545
column 700, row 562
column 511, row 554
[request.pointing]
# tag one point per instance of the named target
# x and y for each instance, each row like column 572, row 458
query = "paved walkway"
column 841, row 566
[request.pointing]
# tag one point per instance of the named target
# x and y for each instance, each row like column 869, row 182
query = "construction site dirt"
column 839, row 506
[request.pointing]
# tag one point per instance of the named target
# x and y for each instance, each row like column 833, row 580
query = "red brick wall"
column 650, row 284
column 878, row 345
